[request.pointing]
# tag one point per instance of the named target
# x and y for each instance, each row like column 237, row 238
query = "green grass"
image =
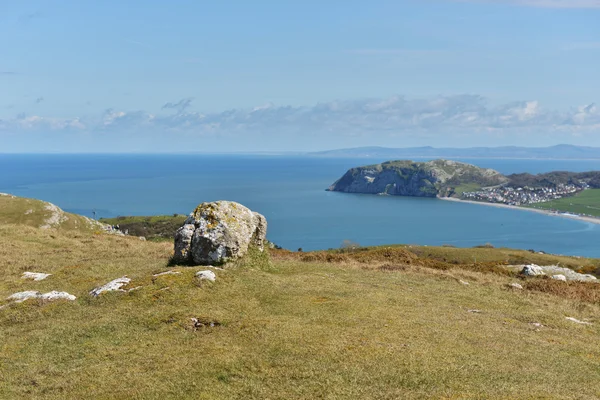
column 466, row 187
column 378, row 324
column 158, row 227
column 586, row 202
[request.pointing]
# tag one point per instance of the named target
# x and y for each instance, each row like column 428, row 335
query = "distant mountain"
column 561, row 151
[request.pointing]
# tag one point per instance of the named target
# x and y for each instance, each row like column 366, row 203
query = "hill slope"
column 41, row 214
column 423, row 179
column 380, row 323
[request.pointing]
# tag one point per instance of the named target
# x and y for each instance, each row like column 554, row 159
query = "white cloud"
column 459, row 114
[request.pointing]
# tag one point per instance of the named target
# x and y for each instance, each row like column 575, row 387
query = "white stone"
column 208, row 275
column 532, row 270
column 464, row 282
column 559, row 277
column 32, row 294
column 54, row 295
column 22, row 296
column 515, row 285
column 36, row 276
column 112, row 286
column 578, row 321
column 537, row 324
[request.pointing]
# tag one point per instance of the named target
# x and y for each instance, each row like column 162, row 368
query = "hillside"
column 376, row 323
column 41, row 214
column 441, row 178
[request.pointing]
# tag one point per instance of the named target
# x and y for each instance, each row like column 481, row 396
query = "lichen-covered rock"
column 532, row 270
column 36, row 276
column 218, row 232
column 32, row 294
column 206, row 275
column 112, row 286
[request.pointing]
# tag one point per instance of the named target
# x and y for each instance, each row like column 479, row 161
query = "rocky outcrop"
column 218, row 232
column 421, row 179
column 557, row 273
column 113, row 286
column 32, row 294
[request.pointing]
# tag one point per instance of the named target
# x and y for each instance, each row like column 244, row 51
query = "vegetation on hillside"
column 551, row 179
column 159, row 227
column 586, row 202
column 369, row 323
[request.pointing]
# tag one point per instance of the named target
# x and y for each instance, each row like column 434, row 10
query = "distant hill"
column 422, row 179
column 562, row 151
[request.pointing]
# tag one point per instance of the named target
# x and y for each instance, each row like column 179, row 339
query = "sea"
column 290, row 192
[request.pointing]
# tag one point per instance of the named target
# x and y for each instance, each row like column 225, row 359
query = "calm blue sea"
column 290, row 192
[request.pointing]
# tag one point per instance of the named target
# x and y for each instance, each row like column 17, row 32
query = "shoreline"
column 551, row 213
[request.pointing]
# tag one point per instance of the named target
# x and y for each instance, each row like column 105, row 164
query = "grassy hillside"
column 37, row 213
column 586, row 202
column 380, row 323
column 158, row 227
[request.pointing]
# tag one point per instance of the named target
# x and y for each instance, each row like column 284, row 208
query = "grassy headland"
column 586, row 202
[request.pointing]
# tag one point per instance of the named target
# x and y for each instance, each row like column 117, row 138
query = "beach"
column 551, row 213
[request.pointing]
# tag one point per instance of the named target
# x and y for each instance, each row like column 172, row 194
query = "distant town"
column 519, row 196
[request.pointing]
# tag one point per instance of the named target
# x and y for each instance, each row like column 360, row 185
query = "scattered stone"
column 22, row 296
column 206, row 275
column 515, row 285
column 559, row 277
column 36, row 276
column 28, row 212
column 464, row 282
column 474, row 311
column 537, row 324
column 532, row 270
column 143, row 239
column 112, row 286
column 218, row 232
column 135, row 288
column 555, row 270
column 578, row 321
column 167, row 273
column 203, row 323
column 54, row 295
column 32, row 294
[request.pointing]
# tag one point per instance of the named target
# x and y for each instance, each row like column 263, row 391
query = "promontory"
column 437, row 178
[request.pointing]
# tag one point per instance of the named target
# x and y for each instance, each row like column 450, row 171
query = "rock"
column 559, row 278
column 32, row 294
column 22, row 296
column 464, row 282
column 555, row 270
column 112, row 286
column 142, row 238
column 219, row 232
column 532, row 270
column 36, row 276
column 54, row 295
column 537, row 324
column 474, row 311
column 206, row 275
column 515, row 285
column 578, row 321
column 167, row 273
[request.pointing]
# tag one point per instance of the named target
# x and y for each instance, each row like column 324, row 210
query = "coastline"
column 554, row 214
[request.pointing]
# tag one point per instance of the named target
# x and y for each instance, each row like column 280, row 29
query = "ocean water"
column 290, row 192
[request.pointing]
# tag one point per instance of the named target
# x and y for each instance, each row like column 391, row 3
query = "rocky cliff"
column 442, row 178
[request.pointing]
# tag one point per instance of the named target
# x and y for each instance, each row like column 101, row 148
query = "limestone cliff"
column 442, row 178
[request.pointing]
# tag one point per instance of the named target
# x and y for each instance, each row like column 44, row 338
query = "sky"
column 275, row 76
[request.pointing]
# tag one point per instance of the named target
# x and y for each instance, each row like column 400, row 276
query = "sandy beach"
column 554, row 214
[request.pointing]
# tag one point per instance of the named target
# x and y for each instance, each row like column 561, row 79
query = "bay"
column 290, row 192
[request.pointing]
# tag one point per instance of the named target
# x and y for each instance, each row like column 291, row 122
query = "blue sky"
column 153, row 76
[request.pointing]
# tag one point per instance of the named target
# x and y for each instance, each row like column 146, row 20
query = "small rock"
column 143, row 239
column 464, row 282
column 208, row 275
column 474, row 311
column 32, row 294
column 167, row 273
column 537, row 324
column 22, row 296
column 515, row 285
column 112, row 286
column 54, row 295
column 36, row 276
column 578, row 321
column 559, row 277
column 532, row 270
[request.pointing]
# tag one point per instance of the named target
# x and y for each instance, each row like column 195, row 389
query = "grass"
column 586, row 202
column 158, row 227
column 378, row 323
column 466, row 187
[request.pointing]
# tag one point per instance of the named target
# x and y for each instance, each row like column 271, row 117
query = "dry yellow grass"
column 365, row 328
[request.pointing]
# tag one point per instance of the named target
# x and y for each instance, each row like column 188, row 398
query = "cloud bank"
column 398, row 116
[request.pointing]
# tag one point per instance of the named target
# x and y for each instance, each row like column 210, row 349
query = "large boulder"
column 218, row 232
